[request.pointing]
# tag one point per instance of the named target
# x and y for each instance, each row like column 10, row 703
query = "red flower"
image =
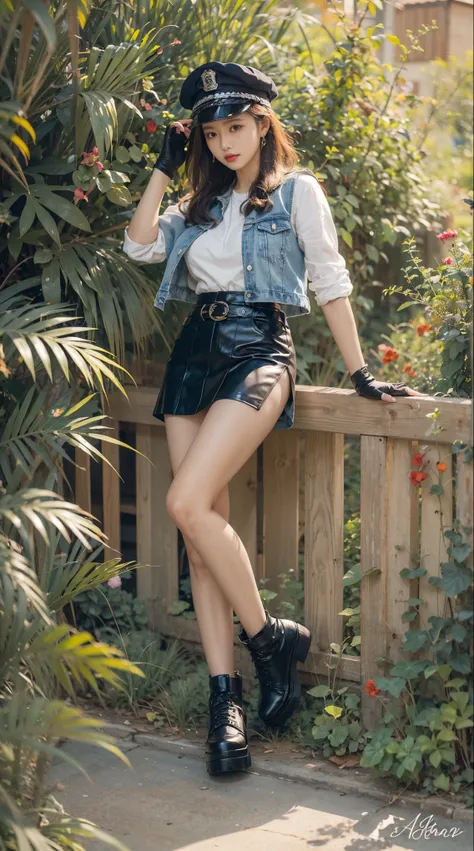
column 416, row 477
column 151, row 126
column 412, row 372
column 407, row 367
column 447, row 261
column 447, row 234
column 390, row 355
column 441, row 466
column 422, row 329
column 417, row 459
column 371, row 688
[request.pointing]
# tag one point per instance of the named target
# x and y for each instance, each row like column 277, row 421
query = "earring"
column 213, row 158
column 263, row 141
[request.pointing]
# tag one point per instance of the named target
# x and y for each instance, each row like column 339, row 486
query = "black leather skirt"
column 228, row 349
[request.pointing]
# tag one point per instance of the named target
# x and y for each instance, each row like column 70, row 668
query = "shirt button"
column 274, row 227
column 248, row 295
column 243, row 311
column 249, row 268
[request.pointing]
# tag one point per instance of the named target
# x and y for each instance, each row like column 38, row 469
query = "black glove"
column 366, row 385
column 172, row 154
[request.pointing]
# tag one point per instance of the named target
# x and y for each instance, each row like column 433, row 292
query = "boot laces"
column 263, row 661
column 224, row 711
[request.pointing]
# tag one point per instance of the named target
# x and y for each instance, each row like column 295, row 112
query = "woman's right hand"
column 172, row 154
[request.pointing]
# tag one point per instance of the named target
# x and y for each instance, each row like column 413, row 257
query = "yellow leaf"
column 299, row 73
column 334, row 711
column 393, row 38
column 150, row 716
column 20, row 144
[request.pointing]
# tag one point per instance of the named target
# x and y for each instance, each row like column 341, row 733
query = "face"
column 239, row 135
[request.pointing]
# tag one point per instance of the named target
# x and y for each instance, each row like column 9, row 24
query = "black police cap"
column 217, row 90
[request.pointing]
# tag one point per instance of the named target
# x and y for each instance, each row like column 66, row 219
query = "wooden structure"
column 395, row 531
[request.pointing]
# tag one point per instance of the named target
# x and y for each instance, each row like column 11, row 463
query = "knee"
column 183, row 510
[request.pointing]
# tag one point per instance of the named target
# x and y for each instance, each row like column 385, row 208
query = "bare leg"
column 229, row 435
column 213, row 611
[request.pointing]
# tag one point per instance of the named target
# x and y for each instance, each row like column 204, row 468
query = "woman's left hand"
column 368, row 386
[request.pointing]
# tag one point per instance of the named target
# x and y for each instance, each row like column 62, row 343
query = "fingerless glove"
column 172, row 154
column 366, row 385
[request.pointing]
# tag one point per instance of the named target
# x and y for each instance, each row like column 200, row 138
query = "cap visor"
column 223, row 110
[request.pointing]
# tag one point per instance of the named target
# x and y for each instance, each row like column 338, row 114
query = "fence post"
column 280, row 505
column 111, row 493
column 324, row 537
column 157, row 537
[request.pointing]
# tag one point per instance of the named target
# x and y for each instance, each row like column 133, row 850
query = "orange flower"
column 422, row 329
column 416, row 477
column 371, row 688
column 390, row 355
column 417, row 459
column 441, row 466
column 407, row 367
column 412, row 372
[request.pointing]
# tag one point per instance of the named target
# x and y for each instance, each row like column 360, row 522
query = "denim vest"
column 273, row 262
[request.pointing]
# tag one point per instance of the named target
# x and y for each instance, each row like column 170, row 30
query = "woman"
column 250, row 233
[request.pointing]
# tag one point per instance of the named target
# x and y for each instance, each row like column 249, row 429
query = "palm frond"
column 36, row 434
column 41, row 509
column 16, row 573
column 67, row 654
column 41, row 333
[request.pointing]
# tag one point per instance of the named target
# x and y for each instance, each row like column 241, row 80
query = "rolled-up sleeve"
column 328, row 276
column 170, row 225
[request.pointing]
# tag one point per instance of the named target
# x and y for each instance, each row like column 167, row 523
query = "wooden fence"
column 396, row 532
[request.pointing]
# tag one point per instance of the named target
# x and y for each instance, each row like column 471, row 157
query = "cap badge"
column 209, row 82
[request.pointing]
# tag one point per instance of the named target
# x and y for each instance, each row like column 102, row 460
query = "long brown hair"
column 209, row 179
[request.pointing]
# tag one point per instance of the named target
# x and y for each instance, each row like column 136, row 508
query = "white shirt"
column 214, row 259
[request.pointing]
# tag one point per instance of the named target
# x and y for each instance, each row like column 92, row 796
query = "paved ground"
column 167, row 802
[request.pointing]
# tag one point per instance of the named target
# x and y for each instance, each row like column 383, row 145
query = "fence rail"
column 396, row 532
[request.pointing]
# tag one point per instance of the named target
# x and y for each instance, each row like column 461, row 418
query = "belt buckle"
column 211, row 307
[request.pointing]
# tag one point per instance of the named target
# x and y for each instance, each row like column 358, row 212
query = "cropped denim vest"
column 273, row 262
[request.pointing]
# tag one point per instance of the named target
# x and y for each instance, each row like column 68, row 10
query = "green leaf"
column 319, row 691
column 414, row 640
column 104, row 183
column 63, row 208
column 51, row 282
column 178, row 607
column 47, row 221
column 118, row 177
column 441, row 781
column 455, row 578
column 119, row 195
column 346, row 237
column 436, row 490
column 122, row 154
column 393, row 685
column 27, row 217
column 43, row 255
column 410, row 670
column 461, row 553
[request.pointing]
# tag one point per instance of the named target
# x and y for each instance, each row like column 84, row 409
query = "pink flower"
column 99, row 165
column 147, row 107
column 80, row 195
column 447, row 234
column 114, row 582
column 447, row 261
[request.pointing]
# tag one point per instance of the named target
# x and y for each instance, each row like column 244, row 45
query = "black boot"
column 275, row 650
column 227, row 746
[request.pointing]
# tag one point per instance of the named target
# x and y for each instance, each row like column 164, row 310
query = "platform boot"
column 275, row 650
column 227, row 744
